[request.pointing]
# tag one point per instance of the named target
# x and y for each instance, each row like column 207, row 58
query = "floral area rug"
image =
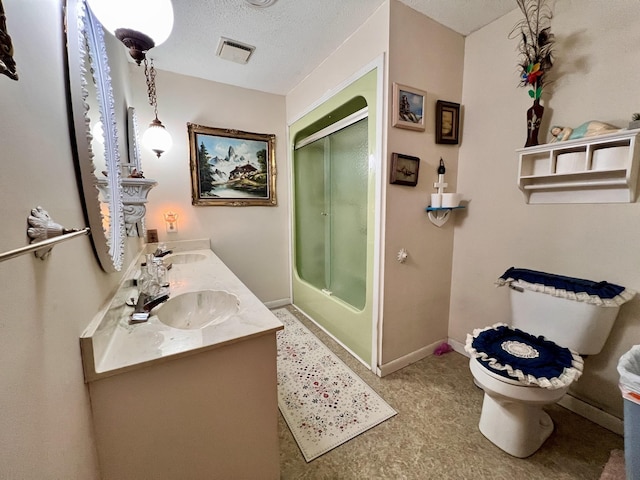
column 324, row 403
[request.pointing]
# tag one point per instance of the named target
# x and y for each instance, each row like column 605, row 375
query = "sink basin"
column 194, row 310
column 181, row 258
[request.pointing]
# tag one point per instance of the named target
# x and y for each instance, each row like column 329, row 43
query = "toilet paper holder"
column 442, row 203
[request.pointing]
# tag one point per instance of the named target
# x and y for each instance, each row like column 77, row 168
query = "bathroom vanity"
column 186, row 402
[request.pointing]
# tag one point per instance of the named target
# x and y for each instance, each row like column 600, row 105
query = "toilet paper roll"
column 436, row 200
column 451, row 200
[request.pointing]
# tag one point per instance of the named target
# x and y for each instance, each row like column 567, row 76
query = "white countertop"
column 110, row 345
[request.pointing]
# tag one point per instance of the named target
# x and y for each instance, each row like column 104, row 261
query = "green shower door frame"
column 333, row 273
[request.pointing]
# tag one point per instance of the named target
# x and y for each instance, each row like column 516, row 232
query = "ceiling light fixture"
column 261, row 3
column 156, row 138
column 139, row 24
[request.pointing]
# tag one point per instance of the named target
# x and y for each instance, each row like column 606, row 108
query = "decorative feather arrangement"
column 535, row 45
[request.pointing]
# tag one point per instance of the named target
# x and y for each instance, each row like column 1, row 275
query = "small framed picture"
column 404, row 169
column 447, row 122
column 408, row 107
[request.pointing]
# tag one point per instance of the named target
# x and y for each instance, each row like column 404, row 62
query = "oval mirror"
column 94, row 133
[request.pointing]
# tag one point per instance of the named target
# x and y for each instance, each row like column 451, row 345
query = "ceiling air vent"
column 234, row 51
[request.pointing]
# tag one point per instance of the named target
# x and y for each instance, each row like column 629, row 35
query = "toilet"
column 532, row 361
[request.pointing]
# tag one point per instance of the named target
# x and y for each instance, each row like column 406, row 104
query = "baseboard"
column 399, row 363
column 277, row 303
column 577, row 406
column 457, row 346
column 597, row 416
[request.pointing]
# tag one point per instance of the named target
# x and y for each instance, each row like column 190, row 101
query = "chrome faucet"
column 149, row 303
column 144, row 305
column 159, row 253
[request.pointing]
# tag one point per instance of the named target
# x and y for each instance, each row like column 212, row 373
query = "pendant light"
column 261, row 3
column 139, row 24
column 156, row 138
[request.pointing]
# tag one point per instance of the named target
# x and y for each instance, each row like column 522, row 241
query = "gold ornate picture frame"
column 231, row 167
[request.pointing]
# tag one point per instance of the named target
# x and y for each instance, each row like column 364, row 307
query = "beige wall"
column 363, row 47
column 252, row 241
column 425, row 55
column 595, row 74
column 45, row 425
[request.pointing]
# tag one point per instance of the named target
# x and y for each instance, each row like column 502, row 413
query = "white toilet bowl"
column 512, row 416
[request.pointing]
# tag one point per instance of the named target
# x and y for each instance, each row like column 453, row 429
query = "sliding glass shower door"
column 331, row 181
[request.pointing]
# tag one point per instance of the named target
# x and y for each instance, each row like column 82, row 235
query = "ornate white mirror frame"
column 85, row 46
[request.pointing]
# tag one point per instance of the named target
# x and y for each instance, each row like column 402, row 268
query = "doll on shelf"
column 587, row 129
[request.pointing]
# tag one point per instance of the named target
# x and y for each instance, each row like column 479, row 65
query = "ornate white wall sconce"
column 134, row 197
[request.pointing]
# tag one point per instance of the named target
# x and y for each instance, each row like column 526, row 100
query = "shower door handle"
column 324, row 214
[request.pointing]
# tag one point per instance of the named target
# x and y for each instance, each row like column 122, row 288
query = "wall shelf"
column 602, row 169
column 439, row 215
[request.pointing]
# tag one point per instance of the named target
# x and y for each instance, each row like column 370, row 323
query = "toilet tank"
column 580, row 326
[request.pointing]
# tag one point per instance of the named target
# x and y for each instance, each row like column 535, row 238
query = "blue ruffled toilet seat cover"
column 532, row 360
column 523, row 357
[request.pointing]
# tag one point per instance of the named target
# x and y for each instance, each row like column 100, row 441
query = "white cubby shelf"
column 600, row 169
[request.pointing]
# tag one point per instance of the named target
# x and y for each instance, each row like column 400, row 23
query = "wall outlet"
column 171, row 227
column 152, row 236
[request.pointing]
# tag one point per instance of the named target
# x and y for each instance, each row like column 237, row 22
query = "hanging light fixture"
column 156, row 138
column 261, row 3
column 139, row 24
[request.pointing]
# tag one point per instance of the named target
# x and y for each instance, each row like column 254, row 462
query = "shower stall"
column 331, row 214
column 334, row 215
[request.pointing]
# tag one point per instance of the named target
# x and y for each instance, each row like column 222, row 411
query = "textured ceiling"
column 292, row 37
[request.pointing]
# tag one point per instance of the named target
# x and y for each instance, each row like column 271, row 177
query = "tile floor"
column 435, row 434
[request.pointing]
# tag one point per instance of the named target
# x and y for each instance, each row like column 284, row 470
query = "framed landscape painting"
column 231, row 167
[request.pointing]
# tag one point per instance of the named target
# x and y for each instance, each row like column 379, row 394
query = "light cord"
column 150, row 75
